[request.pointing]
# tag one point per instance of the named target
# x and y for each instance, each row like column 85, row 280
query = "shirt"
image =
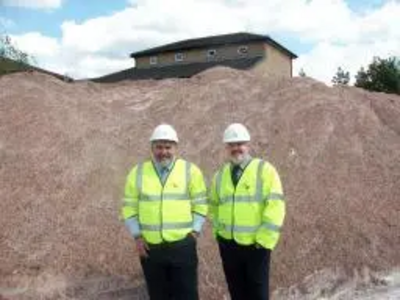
column 163, row 171
column 237, row 170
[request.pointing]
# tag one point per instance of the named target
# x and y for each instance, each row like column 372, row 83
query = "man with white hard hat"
column 247, row 211
column 164, row 209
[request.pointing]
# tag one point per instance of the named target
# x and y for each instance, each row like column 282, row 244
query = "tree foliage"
column 341, row 77
column 9, row 50
column 381, row 75
column 302, row 73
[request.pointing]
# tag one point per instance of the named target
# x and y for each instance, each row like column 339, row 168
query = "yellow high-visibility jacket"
column 254, row 211
column 165, row 212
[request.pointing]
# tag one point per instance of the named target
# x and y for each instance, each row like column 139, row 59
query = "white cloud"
column 36, row 44
column 34, row 4
column 6, row 23
column 50, row 54
column 374, row 34
column 341, row 37
column 324, row 59
column 93, row 65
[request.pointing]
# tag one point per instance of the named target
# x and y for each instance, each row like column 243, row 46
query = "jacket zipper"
column 162, row 198
column 234, row 194
column 233, row 211
column 161, row 211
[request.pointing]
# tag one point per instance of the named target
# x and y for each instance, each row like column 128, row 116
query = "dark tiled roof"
column 175, row 71
column 8, row 66
column 218, row 40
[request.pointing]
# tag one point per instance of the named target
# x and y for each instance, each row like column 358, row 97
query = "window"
column 243, row 50
column 211, row 53
column 153, row 60
column 179, row 56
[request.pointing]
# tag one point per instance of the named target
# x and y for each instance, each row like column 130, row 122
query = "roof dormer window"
column 153, row 60
column 179, row 56
column 243, row 50
column 211, row 53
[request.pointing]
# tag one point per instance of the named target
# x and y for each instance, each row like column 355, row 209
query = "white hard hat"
column 236, row 132
column 164, row 132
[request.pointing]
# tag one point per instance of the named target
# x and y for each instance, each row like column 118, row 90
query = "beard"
column 165, row 161
column 237, row 159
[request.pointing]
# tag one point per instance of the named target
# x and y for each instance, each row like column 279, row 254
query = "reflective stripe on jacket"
column 254, row 211
column 165, row 212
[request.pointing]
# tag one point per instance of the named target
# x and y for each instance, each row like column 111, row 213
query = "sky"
column 95, row 37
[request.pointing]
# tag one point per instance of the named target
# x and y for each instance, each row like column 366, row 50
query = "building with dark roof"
column 189, row 57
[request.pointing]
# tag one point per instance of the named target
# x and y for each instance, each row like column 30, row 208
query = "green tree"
column 9, row 50
column 302, row 73
column 341, row 77
column 382, row 75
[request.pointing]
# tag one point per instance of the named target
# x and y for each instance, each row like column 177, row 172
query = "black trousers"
column 246, row 270
column 170, row 270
